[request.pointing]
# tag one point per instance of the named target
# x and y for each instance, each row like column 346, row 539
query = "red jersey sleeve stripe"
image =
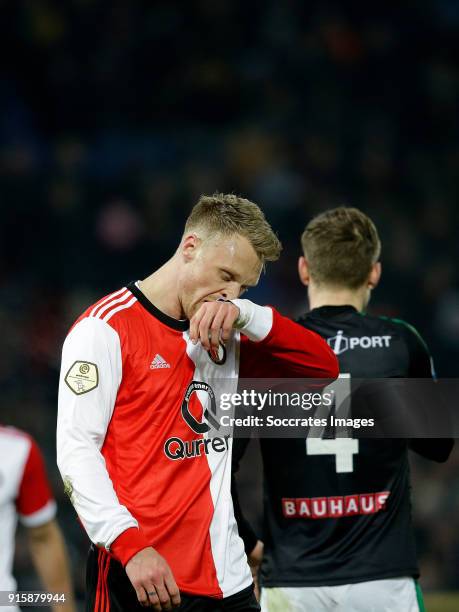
column 122, row 298
column 113, row 311
column 105, row 300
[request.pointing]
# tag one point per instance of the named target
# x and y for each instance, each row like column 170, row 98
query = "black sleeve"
column 249, row 537
column 421, row 366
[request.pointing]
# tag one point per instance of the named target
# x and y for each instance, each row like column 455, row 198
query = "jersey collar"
column 177, row 324
column 332, row 311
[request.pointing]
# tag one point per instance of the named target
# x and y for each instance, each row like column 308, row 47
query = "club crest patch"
column 82, row 377
column 219, row 358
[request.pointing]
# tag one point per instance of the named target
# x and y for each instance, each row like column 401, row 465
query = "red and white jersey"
column 24, row 493
column 133, row 448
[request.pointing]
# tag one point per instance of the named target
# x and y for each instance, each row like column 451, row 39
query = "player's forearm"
column 91, row 492
column 304, row 353
column 107, row 522
column 50, row 559
column 291, row 350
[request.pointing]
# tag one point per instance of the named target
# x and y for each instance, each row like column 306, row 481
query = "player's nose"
column 232, row 292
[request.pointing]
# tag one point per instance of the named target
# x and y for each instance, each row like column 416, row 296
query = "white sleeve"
column 91, row 372
column 254, row 321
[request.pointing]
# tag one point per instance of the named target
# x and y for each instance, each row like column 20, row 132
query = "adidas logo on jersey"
column 340, row 343
column 159, row 363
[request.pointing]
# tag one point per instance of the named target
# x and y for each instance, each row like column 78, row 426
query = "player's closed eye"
column 226, row 277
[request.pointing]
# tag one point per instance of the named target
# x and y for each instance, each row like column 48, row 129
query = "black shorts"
column 108, row 589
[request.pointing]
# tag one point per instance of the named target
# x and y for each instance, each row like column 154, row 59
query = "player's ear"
column 189, row 246
column 303, row 270
column 375, row 275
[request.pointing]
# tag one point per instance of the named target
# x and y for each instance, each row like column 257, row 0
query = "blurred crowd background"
column 116, row 116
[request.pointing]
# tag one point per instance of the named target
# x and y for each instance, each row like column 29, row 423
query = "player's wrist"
column 128, row 544
column 254, row 321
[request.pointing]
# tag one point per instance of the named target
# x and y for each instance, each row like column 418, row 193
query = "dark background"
column 116, row 116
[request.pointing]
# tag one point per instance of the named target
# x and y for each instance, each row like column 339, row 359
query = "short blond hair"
column 341, row 245
column 229, row 214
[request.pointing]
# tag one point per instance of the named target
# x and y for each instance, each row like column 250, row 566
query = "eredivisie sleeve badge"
column 82, row 377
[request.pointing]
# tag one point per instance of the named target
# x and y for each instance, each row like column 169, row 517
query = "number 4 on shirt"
column 344, row 449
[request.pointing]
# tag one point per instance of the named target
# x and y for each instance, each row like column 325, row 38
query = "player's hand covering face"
column 219, row 268
column 213, row 323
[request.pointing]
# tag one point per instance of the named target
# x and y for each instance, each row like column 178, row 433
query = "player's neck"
column 337, row 297
column 161, row 289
